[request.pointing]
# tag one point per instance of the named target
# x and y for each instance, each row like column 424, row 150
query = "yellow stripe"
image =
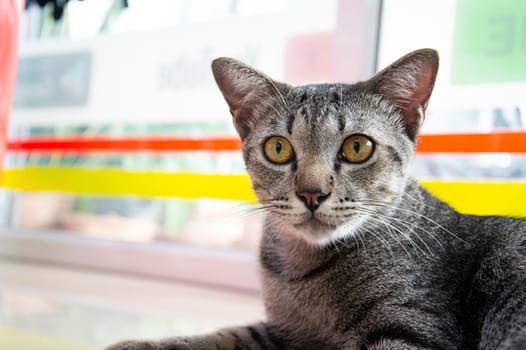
column 119, row 182
column 481, row 198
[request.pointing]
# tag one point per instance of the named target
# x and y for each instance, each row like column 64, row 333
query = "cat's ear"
column 408, row 83
column 245, row 90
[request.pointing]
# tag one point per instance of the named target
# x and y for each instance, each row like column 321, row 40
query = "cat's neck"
column 289, row 255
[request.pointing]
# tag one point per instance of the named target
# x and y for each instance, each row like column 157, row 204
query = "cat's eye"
column 357, row 148
column 278, row 150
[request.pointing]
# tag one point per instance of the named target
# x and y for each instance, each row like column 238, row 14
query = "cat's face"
column 325, row 159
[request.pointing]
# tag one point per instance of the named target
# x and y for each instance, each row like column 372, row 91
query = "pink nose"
column 312, row 198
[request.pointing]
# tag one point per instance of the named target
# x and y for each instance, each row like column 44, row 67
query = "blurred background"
column 125, row 207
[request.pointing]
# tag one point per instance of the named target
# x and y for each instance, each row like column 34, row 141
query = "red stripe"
column 505, row 142
column 129, row 144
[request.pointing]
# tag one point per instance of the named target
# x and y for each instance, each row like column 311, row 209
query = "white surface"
column 93, row 309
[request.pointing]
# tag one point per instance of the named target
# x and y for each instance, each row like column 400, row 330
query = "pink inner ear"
column 413, row 107
column 423, row 89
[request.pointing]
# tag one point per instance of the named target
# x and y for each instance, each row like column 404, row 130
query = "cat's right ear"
column 408, row 84
column 245, row 90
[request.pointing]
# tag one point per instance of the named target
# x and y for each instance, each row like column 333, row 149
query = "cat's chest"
column 304, row 306
column 332, row 304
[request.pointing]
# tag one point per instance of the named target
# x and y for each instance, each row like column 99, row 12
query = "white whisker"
column 416, row 214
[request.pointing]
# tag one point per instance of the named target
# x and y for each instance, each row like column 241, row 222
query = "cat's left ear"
column 245, row 90
column 408, row 83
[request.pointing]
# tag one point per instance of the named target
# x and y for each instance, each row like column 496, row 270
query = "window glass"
column 480, row 85
column 139, row 74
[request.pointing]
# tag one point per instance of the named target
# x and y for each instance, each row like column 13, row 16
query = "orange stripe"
column 505, row 142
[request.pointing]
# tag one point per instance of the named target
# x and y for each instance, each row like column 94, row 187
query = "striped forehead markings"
column 290, row 122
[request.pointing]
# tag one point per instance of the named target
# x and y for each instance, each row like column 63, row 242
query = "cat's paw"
column 173, row 344
column 132, row 345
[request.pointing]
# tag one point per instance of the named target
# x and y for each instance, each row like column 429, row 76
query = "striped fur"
column 378, row 263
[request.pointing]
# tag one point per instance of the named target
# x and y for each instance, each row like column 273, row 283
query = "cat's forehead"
column 338, row 108
column 317, row 94
column 314, row 106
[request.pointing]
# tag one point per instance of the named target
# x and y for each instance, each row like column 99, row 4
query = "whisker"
column 379, row 237
column 264, row 102
column 408, row 225
column 389, row 228
column 416, row 213
column 358, row 234
column 275, row 88
column 342, row 241
column 404, row 236
column 334, row 243
column 384, row 243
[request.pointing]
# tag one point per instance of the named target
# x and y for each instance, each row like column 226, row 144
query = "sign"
column 489, row 42
column 57, row 80
column 152, row 76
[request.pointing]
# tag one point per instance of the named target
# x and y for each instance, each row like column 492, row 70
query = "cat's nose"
column 312, row 198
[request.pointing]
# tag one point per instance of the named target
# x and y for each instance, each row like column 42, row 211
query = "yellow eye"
column 357, row 148
column 278, row 150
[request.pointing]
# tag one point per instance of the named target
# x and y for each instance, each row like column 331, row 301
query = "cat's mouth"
column 314, row 230
column 315, row 224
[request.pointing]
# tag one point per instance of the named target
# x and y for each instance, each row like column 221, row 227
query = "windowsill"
column 92, row 308
column 231, row 269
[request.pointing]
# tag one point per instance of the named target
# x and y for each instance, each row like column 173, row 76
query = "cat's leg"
column 392, row 344
column 504, row 327
column 498, row 296
column 426, row 334
column 255, row 337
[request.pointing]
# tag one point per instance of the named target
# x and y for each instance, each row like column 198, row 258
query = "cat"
column 355, row 254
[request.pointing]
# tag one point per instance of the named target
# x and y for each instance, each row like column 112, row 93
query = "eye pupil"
column 279, row 147
column 356, row 146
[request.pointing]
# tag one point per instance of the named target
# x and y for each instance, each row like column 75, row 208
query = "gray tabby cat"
column 355, row 254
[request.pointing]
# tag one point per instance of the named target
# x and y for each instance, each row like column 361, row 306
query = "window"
column 121, row 146
column 472, row 152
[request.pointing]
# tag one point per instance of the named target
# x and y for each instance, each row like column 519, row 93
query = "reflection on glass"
column 203, row 222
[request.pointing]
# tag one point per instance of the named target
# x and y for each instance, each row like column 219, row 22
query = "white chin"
column 321, row 234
